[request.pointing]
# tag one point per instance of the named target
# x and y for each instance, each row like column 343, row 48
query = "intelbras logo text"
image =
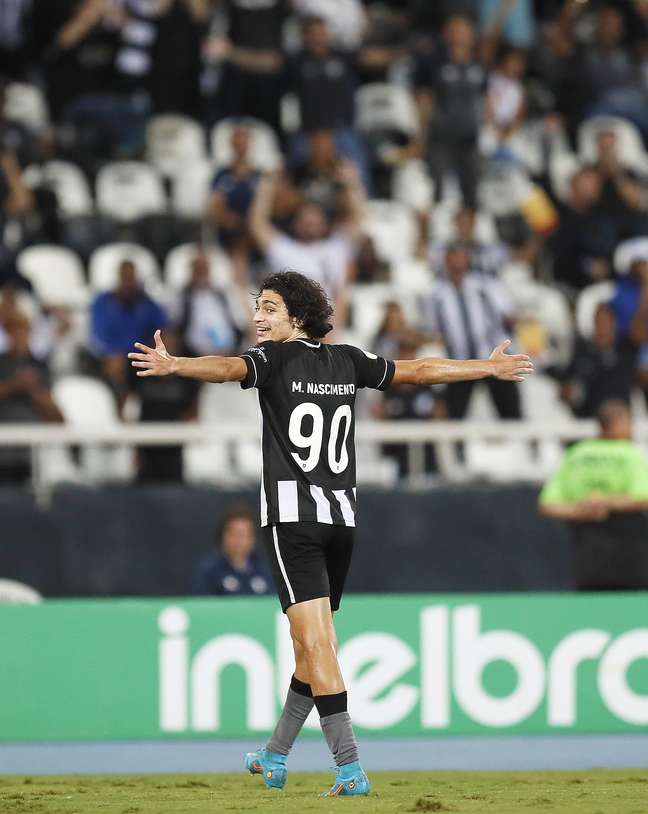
column 452, row 656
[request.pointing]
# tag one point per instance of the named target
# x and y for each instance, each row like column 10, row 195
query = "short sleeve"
column 371, row 370
column 638, row 476
column 263, row 363
column 554, row 489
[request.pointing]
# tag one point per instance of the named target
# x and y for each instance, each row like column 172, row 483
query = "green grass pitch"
column 587, row 792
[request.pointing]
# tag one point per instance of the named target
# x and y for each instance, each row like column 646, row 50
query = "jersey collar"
column 305, row 342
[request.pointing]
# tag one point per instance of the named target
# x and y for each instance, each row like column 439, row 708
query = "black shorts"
column 309, row 560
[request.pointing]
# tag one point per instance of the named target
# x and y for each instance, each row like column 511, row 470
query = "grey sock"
column 296, row 709
column 339, row 735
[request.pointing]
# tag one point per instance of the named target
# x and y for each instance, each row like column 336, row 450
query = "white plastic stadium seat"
column 630, row 147
column 104, row 265
column 177, row 266
column 27, row 105
column 586, row 304
column 190, row 190
column 413, row 186
column 18, row 593
column 56, row 274
column 412, row 275
column 88, row 402
column 264, row 153
column 127, row 190
column 383, row 106
column 172, row 141
column 629, row 252
column 562, row 167
column 368, row 304
column 393, row 228
column 67, row 181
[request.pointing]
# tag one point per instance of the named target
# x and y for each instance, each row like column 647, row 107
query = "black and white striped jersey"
column 307, row 396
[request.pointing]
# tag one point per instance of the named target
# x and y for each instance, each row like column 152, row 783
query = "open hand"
column 156, row 361
column 510, row 367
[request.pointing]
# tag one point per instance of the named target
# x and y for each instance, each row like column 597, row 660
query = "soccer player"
column 307, row 392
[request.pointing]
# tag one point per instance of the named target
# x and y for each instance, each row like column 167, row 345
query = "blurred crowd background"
column 451, row 172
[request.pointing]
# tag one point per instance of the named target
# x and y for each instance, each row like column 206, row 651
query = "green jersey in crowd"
column 599, row 465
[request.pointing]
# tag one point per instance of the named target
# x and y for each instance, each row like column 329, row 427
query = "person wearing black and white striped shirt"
column 471, row 312
column 307, row 393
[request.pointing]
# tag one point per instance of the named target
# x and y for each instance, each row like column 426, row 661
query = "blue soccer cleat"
column 349, row 781
column 270, row 765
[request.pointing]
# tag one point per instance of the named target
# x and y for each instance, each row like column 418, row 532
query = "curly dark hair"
column 305, row 300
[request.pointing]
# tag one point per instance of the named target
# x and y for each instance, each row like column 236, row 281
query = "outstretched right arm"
column 158, row 361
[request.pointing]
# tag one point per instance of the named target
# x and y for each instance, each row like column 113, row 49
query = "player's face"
column 271, row 319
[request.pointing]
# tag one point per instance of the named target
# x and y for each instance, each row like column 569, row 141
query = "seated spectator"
column 25, row 395
column 47, row 323
column 449, row 87
column 207, row 322
column 320, row 253
column 232, row 569
column 603, row 367
column 407, row 402
column 232, row 194
column 601, row 492
column 471, row 314
column 487, row 258
column 166, row 398
column 118, row 319
column 324, row 80
column 584, row 241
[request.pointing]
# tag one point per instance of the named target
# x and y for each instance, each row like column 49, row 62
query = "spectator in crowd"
column 25, row 395
column 16, row 46
column 251, row 83
column 409, row 402
column 209, row 323
column 320, row 253
column 583, row 244
column 514, row 19
column 471, row 313
column 623, row 201
column 505, row 104
column 118, row 319
column 47, row 324
column 395, row 332
column 232, row 193
column 346, row 20
column 232, row 569
column 318, row 176
column 16, row 202
column 449, row 88
column 601, row 492
column 628, row 298
column 370, row 268
column 324, row 80
column 487, row 258
column 601, row 77
column 171, row 398
column 605, row 366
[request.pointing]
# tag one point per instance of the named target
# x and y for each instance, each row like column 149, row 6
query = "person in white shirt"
column 314, row 249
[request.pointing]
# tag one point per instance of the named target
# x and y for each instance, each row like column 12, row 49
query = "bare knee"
column 311, row 643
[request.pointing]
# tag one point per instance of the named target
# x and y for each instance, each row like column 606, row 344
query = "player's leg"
column 297, row 707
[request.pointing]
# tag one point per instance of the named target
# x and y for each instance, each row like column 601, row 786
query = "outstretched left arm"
column 511, row 368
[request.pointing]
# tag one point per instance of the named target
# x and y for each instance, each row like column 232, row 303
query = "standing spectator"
column 324, row 81
column 25, row 395
column 172, row 398
column 583, row 244
column 318, row 176
column 471, row 313
column 208, row 322
column 505, row 104
column 232, row 194
column 450, row 87
column 317, row 252
column 16, row 46
column 232, row 569
column 605, row 366
column 251, row 79
column 118, row 319
column 601, row 492
column 395, row 333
